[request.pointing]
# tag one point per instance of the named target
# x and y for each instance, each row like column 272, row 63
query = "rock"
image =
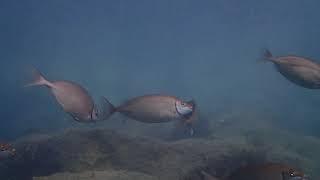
column 78, row 152
column 98, row 175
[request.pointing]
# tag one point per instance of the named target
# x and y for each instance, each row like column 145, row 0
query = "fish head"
column 183, row 108
column 6, row 151
column 293, row 174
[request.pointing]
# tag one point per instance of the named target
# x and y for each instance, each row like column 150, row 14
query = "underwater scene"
column 160, row 90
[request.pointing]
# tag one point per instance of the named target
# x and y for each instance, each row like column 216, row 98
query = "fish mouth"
column 192, row 105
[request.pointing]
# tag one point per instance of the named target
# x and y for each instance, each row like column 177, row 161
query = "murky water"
column 209, row 51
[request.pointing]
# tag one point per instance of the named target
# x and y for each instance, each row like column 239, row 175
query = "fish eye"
column 183, row 103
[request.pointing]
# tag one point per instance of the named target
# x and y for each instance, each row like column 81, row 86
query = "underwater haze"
column 209, row 50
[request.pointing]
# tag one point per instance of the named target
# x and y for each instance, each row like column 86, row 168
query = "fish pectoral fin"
column 188, row 128
column 191, row 130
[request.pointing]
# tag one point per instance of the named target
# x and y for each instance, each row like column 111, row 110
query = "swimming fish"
column 73, row 98
column 6, row 151
column 268, row 171
column 299, row 70
column 155, row 108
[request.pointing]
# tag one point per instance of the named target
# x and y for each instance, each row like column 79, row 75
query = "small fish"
column 6, row 151
column 268, row 171
column 155, row 109
column 299, row 70
column 74, row 99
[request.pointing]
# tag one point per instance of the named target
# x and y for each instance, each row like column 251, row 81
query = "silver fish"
column 155, row 108
column 299, row 70
column 268, row 171
column 74, row 99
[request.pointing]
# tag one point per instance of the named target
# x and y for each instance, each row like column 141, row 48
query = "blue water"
column 208, row 50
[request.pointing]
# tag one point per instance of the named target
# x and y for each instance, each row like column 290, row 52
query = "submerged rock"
column 99, row 175
column 80, row 152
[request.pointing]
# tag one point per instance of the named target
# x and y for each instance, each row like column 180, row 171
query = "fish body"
column 155, row 108
column 6, row 151
column 73, row 98
column 151, row 109
column 299, row 70
column 269, row 171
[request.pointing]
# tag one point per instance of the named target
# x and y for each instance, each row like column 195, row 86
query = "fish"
column 155, row 108
column 72, row 97
column 301, row 71
column 267, row 171
column 6, row 151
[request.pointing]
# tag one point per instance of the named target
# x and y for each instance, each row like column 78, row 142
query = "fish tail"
column 107, row 109
column 38, row 79
column 267, row 55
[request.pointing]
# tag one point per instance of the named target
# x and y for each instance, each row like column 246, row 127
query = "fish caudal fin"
column 38, row 79
column 267, row 54
column 107, row 109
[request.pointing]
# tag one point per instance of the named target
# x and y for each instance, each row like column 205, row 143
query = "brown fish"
column 299, row 70
column 74, row 99
column 155, row 109
column 6, row 151
column 268, row 171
